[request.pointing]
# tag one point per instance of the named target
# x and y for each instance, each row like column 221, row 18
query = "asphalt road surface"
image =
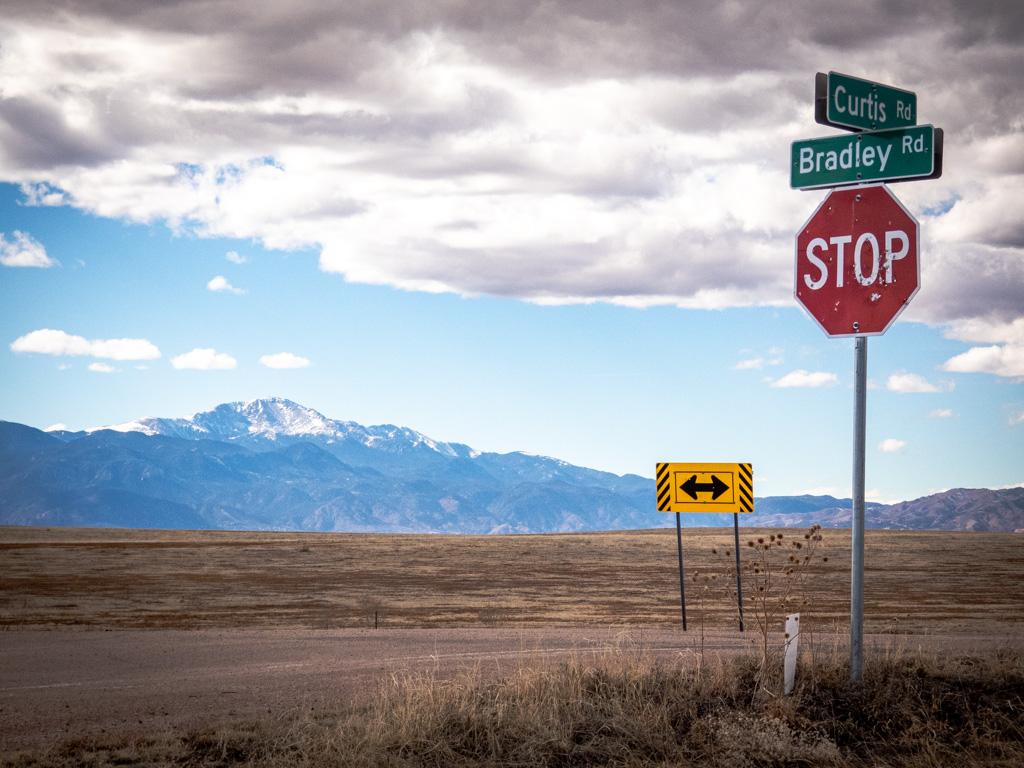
column 56, row 685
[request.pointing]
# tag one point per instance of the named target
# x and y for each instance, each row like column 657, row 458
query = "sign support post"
column 848, row 302
column 739, row 580
column 857, row 543
column 705, row 487
column 682, row 580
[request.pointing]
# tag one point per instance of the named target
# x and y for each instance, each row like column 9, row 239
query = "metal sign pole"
column 682, row 584
column 866, row 211
column 857, row 544
column 739, row 580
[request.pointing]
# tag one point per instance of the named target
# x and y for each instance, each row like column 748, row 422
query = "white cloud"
column 555, row 156
column 220, row 284
column 235, row 257
column 941, row 413
column 101, row 368
column 1005, row 361
column 125, row 349
column 1016, row 418
column 44, row 195
column 23, row 251
column 204, row 359
column 1004, row 355
column 284, row 360
column 892, row 445
column 48, row 341
column 774, row 357
column 909, row 382
column 988, row 331
column 60, row 426
column 802, row 378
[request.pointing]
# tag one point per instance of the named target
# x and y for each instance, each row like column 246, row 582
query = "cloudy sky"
column 560, row 227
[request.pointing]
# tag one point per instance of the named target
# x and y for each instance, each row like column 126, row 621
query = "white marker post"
column 791, row 654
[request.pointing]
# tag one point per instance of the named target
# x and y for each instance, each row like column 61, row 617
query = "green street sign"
column 870, row 156
column 861, row 105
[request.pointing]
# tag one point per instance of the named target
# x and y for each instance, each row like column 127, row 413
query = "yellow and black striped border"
column 746, row 489
column 664, row 487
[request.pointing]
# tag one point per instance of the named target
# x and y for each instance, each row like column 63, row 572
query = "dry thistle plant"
column 775, row 569
column 706, row 584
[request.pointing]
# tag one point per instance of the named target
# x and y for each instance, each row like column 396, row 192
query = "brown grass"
column 629, row 710
column 915, row 581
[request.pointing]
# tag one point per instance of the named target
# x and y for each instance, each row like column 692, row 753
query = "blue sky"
column 610, row 387
column 554, row 229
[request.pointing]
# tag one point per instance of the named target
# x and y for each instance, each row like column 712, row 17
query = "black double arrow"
column 716, row 487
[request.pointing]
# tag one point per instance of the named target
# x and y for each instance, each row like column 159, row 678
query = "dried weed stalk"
column 775, row 570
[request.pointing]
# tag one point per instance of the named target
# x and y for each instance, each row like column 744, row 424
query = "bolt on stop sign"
column 857, row 261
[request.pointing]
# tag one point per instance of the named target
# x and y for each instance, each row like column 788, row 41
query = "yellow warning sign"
column 704, row 487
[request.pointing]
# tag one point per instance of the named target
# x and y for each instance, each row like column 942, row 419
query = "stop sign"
column 857, row 262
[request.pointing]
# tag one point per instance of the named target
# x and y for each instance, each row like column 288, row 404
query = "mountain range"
column 273, row 464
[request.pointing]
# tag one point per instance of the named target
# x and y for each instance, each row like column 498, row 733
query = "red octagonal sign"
column 857, row 262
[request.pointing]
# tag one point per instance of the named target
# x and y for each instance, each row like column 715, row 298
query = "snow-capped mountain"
column 277, row 419
column 275, row 464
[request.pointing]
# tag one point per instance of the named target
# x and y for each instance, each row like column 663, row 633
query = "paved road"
column 58, row 684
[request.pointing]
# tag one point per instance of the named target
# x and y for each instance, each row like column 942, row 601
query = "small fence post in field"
column 791, row 652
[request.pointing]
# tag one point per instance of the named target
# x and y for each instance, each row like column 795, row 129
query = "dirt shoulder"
column 63, row 684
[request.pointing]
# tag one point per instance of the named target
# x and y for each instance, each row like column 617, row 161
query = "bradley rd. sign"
column 869, row 156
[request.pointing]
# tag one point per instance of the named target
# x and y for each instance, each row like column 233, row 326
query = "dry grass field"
column 916, row 582
column 80, row 697
column 623, row 710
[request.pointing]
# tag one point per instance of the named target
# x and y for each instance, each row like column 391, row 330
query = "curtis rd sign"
column 857, row 261
column 856, row 104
